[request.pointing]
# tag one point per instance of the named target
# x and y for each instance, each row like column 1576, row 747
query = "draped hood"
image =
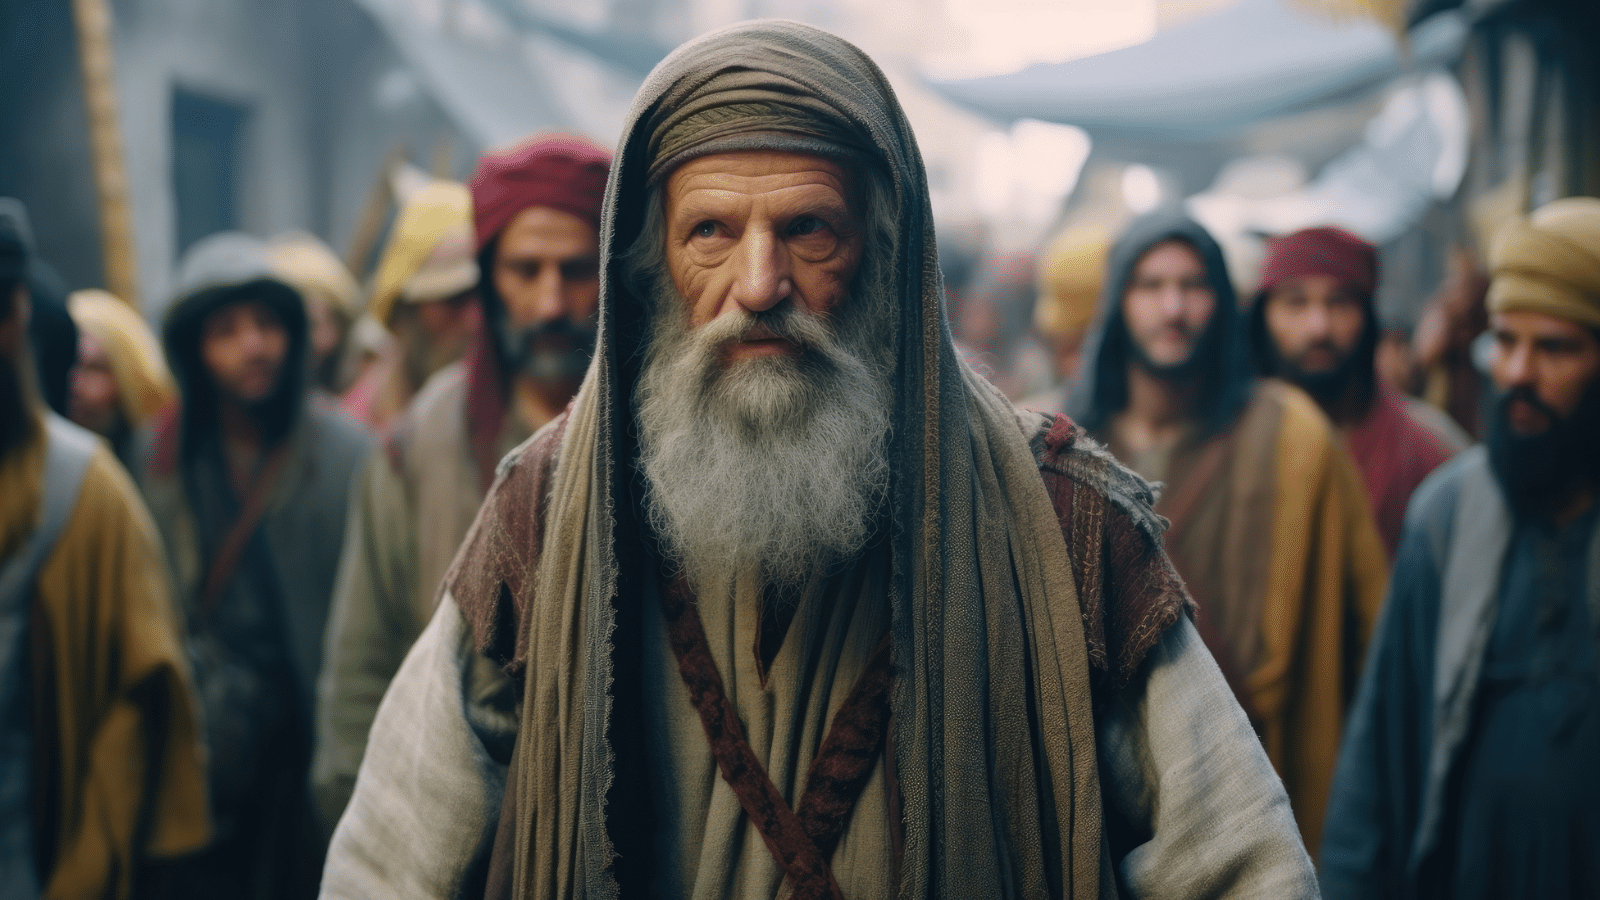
column 226, row 268
column 988, row 643
column 1102, row 390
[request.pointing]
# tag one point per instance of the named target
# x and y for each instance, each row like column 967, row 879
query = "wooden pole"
column 93, row 21
column 380, row 199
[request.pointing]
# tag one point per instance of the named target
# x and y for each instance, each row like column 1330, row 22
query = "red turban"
column 1321, row 251
column 561, row 171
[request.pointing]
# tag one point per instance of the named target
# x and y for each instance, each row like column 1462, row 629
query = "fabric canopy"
column 497, row 87
column 1210, row 76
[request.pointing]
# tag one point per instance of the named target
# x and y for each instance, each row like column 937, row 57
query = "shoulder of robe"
column 1432, row 509
column 1128, row 591
column 337, row 439
column 109, row 526
column 1299, row 416
column 498, row 559
column 439, row 407
column 110, row 502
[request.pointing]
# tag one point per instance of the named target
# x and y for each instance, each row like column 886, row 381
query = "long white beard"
column 775, row 465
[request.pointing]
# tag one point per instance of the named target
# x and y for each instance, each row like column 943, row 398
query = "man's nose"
column 1316, row 323
column 547, row 291
column 252, row 340
column 761, row 277
column 1518, row 366
column 1172, row 301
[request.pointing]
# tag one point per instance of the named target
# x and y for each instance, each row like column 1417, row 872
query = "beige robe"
column 410, row 507
column 708, row 848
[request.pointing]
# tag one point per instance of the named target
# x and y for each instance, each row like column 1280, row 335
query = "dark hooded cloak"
column 1224, row 364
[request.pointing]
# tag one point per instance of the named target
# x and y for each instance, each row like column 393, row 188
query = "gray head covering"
column 231, row 267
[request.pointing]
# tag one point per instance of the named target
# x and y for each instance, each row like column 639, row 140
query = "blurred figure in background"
column 1270, row 528
column 1313, row 324
column 121, row 380
column 1071, row 268
column 1468, row 771
column 52, row 335
column 333, row 304
column 1443, row 342
column 249, row 481
column 990, row 322
column 537, row 223
column 425, row 296
column 102, row 777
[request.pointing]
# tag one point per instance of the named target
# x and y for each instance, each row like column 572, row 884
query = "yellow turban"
column 1071, row 269
column 144, row 385
column 430, row 253
column 1550, row 262
column 312, row 268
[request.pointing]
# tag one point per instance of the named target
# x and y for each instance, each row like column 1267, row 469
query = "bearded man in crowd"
column 1313, row 324
column 102, row 775
column 426, row 296
column 1468, row 770
column 249, row 478
column 1270, row 529
column 791, row 602
column 120, row 381
column 538, row 242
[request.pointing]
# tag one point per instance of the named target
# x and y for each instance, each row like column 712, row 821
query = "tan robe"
column 1272, row 534
column 108, row 648
column 411, row 506
column 708, row 849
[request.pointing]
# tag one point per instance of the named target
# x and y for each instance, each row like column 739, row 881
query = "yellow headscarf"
column 430, row 254
column 1550, row 262
column 312, row 268
column 144, row 385
column 1071, row 269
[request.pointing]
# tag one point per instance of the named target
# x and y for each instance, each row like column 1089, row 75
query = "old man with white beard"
column 790, row 602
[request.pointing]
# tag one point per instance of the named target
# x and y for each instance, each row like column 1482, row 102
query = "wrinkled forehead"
column 747, row 174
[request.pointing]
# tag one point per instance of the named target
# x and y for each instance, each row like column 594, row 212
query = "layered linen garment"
column 542, row 738
column 413, row 503
column 118, row 774
column 1269, row 529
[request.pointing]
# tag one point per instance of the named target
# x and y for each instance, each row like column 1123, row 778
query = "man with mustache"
column 536, row 209
column 791, row 602
column 1270, row 529
column 1314, row 325
column 249, row 479
column 102, row 771
column 1468, row 768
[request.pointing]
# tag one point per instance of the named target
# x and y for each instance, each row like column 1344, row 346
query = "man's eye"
column 705, row 230
column 807, row 225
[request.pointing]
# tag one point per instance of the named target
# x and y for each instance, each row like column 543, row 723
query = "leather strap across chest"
column 800, row 840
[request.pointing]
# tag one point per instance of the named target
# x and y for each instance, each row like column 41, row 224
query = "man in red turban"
column 536, row 218
column 1314, row 324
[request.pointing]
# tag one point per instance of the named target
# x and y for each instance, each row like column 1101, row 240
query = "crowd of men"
column 667, row 545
